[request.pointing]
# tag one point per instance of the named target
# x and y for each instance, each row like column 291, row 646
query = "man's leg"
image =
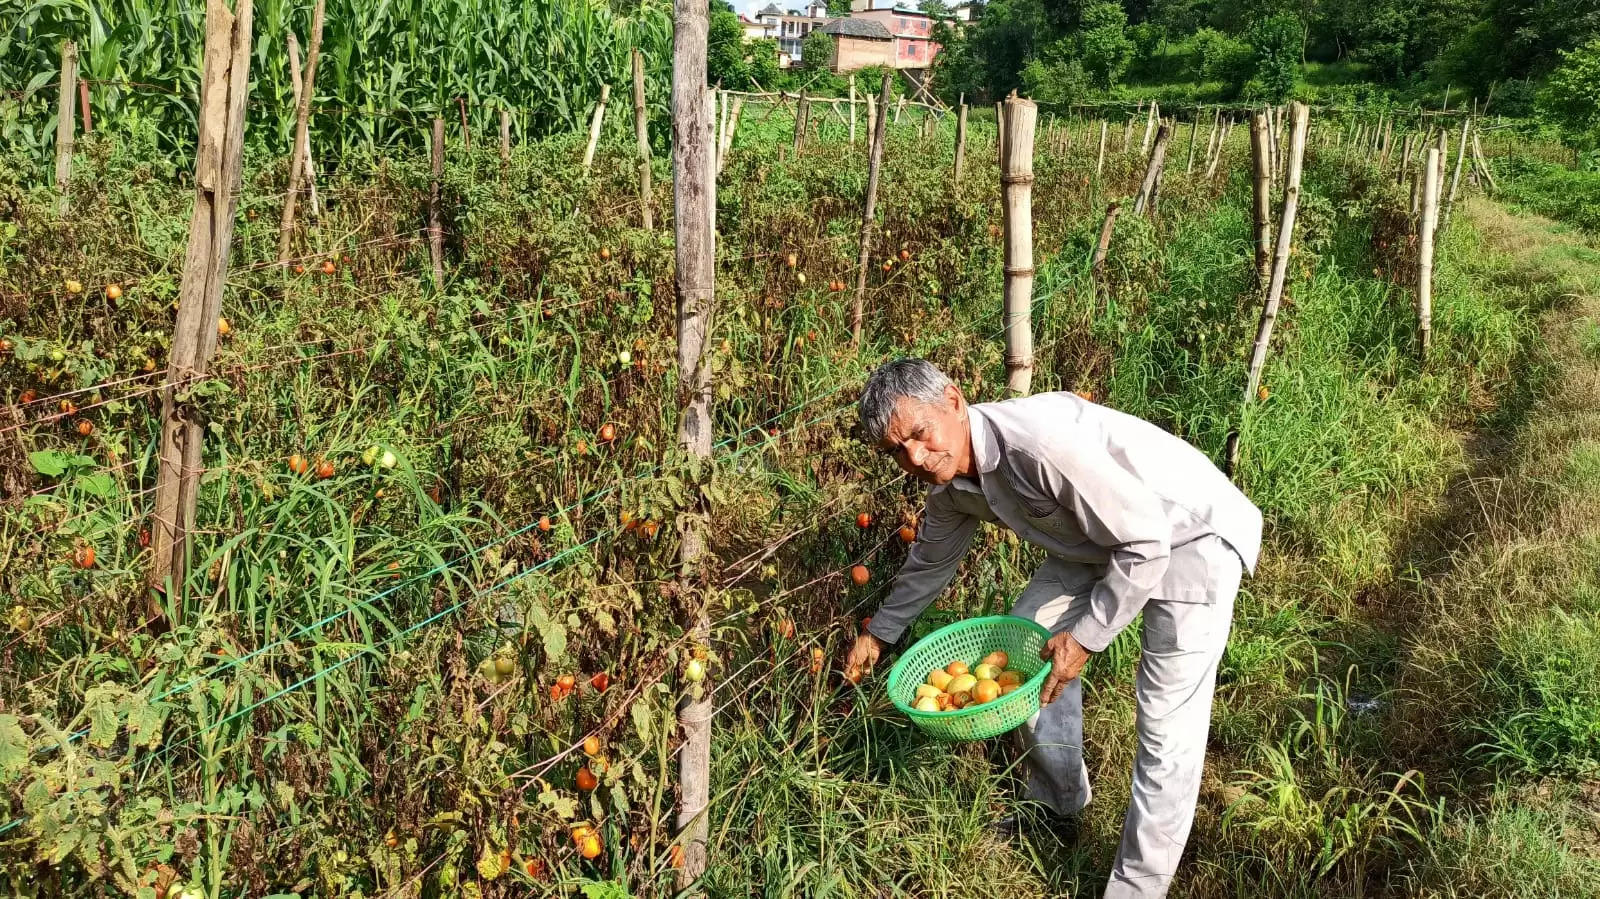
column 1183, row 643
column 1052, row 740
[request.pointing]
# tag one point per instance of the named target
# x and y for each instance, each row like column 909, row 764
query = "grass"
column 315, row 693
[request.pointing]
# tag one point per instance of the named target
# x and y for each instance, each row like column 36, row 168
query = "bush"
column 1222, row 57
column 1275, row 46
column 1548, row 681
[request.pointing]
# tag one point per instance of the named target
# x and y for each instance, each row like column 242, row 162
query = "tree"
column 1104, row 49
column 1275, row 41
column 838, row 8
column 816, row 52
column 1570, row 97
column 936, row 9
column 725, row 50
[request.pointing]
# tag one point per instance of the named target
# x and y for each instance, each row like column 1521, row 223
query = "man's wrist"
column 885, row 635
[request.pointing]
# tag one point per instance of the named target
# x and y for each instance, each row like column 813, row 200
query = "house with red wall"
column 911, row 29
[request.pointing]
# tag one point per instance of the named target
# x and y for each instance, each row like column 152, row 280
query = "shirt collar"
column 984, row 452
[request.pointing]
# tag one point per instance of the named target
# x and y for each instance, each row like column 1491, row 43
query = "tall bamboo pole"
column 1150, row 120
column 225, row 67
column 298, row 153
column 1152, row 170
column 853, row 111
column 1100, row 161
column 694, row 184
column 869, row 206
column 1101, row 247
column 1016, row 184
column 296, row 83
column 1260, row 155
column 435, row 213
column 1432, row 175
column 1300, row 115
column 1455, row 180
column 64, row 123
column 802, row 112
column 594, row 126
column 641, row 138
column 961, row 141
column 1194, row 129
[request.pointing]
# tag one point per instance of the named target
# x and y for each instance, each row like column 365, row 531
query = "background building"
column 858, row 43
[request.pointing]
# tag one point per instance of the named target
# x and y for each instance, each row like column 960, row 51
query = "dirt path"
column 1500, row 621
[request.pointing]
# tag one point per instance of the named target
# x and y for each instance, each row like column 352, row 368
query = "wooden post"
column 1016, row 185
column 853, row 113
column 1272, row 158
column 694, row 223
column 1455, row 179
column 802, row 111
column 505, row 135
column 1098, row 267
column 466, row 132
column 1432, row 175
column 999, row 134
column 297, row 83
column 1194, row 128
column 872, row 116
column 1152, row 170
column 594, row 126
column 298, row 153
column 1260, row 153
column 1416, row 195
column 869, row 207
column 435, row 220
column 1483, row 162
column 728, row 133
column 641, row 135
column 1127, row 136
column 83, row 105
column 961, row 141
column 1280, row 263
column 1150, row 121
column 898, row 109
column 1100, row 162
column 225, row 81
column 64, row 113
column 1222, row 139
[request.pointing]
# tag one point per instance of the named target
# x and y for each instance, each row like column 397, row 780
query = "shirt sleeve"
column 941, row 543
column 1118, row 512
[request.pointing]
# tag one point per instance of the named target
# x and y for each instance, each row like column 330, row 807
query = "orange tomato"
column 299, row 464
column 84, row 557
column 590, row 847
column 908, row 534
column 608, row 432
column 586, row 780
column 544, row 522
column 859, row 575
column 675, row 855
column 956, row 668
column 85, row 427
column 327, row 267
column 864, row 520
column 324, row 469
column 591, row 745
column 600, row 682
column 113, row 291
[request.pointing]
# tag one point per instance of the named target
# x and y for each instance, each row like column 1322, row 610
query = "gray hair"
column 917, row 379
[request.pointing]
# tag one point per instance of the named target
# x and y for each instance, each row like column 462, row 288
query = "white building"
column 791, row 27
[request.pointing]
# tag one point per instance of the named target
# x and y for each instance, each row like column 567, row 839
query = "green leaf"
column 102, row 720
column 49, row 463
column 642, row 720
column 99, row 484
column 564, row 806
column 13, row 748
column 551, row 632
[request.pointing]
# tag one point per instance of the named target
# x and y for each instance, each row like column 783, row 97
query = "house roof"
column 771, row 10
column 857, row 28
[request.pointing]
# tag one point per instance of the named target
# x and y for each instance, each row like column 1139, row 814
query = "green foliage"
column 1104, row 48
column 1547, row 678
column 816, row 52
column 1553, row 190
column 1275, row 45
column 1221, row 58
column 1571, row 96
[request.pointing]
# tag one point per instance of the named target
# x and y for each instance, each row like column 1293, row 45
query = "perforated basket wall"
column 969, row 641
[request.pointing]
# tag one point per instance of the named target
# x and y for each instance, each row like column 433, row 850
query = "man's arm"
column 942, row 541
column 1118, row 512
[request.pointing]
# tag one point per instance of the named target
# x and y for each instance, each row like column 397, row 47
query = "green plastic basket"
column 969, row 641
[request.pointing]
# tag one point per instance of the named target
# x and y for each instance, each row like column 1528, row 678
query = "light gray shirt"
column 1112, row 498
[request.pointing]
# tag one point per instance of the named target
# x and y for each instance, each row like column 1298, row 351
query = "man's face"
column 930, row 442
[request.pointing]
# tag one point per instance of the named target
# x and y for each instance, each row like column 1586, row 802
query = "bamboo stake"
column 694, row 222
column 1432, row 176
column 898, row 109
column 961, row 140
column 1483, row 161
column 1016, row 184
column 1097, row 268
column 727, row 136
column 296, row 82
column 594, row 126
column 802, row 112
column 1150, row 120
column 225, row 67
column 999, row 134
column 1260, row 152
column 64, row 116
column 1455, row 179
column 299, row 152
column 1194, row 130
column 853, row 112
column 505, row 135
column 872, row 116
column 641, row 137
column 1280, row 262
column 435, row 219
column 83, row 106
column 1152, row 170
column 1100, row 162
column 869, row 207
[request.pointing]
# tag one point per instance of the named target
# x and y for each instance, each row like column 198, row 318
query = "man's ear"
column 952, row 395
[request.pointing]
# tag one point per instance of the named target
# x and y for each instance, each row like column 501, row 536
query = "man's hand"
column 1067, row 657
column 862, row 656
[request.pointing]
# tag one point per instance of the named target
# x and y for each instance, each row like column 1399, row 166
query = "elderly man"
column 1132, row 519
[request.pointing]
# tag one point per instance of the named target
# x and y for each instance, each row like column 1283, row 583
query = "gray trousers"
column 1182, row 644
